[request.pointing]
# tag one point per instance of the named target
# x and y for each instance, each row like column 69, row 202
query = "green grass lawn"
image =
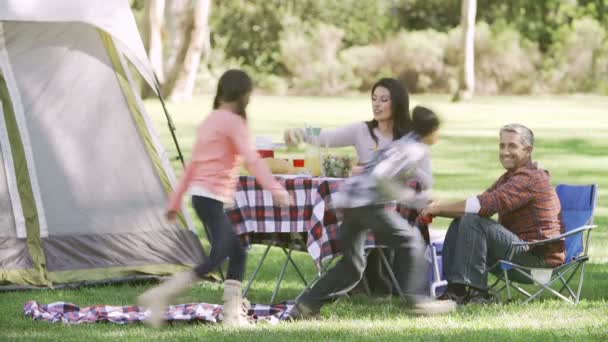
column 571, row 140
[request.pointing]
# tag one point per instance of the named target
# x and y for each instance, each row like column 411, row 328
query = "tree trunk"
column 177, row 17
column 466, row 79
column 182, row 80
column 154, row 37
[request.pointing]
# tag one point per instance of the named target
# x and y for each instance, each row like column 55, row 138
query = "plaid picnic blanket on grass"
column 194, row 312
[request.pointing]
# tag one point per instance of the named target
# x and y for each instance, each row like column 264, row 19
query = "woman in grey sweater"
column 391, row 121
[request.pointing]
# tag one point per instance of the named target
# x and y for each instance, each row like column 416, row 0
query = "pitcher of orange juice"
column 313, row 152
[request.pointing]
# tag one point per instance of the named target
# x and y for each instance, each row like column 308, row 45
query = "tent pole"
column 180, row 156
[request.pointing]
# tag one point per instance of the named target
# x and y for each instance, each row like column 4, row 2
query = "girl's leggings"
column 224, row 241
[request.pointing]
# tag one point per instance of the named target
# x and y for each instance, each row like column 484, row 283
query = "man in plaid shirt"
column 363, row 198
column 528, row 209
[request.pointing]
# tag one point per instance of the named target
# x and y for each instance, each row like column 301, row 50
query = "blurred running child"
column 364, row 198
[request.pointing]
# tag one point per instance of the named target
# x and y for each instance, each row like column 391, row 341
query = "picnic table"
column 311, row 224
column 311, row 218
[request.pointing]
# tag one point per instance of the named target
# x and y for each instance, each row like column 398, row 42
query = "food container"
column 337, row 166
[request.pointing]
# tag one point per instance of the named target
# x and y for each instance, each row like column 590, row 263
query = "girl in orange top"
column 223, row 141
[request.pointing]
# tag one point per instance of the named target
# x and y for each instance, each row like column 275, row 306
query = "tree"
column 154, row 26
column 187, row 32
column 182, row 77
column 466, row 78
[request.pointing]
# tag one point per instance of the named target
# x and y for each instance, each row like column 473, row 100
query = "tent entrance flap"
column 21, row 259
column 155, row 150
column 17, row 114
column 12, row 222
column 93, row 168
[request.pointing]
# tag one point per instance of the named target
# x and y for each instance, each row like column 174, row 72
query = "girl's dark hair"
column 233, row 86
column 424, row 121
column 400, row 108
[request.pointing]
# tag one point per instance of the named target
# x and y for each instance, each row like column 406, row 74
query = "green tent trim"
column 138, row 116
column 100, row 274
column 38, row 274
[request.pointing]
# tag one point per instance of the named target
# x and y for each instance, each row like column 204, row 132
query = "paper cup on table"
column 264, row 146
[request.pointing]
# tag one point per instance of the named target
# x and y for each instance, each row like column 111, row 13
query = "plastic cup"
column 266, row 153
column 298, row 162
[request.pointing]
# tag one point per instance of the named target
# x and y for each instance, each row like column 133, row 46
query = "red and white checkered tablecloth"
column 312, row 218
column 254, row 211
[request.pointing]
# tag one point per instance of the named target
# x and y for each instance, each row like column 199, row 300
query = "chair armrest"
column 554, row 239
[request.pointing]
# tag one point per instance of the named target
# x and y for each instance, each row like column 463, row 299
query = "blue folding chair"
column 438, row 285
column 578, row 203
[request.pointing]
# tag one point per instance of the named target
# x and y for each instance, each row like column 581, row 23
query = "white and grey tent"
column 84, row 179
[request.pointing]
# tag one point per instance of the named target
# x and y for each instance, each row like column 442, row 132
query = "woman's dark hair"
column 424, row 121
column 400, row 108
column 233, row 86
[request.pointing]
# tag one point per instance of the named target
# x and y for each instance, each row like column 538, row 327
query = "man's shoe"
column 449, row 295
column 475, row 296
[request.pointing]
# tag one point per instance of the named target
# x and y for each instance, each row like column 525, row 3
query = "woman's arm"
column 337, row 137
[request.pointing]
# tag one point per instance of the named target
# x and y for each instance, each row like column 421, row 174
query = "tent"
column 84, row 179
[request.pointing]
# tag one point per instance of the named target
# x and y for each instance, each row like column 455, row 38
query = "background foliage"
column 522, row 46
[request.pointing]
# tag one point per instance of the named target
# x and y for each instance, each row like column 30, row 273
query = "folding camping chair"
column 385, row 262
column 438, row 285
column 578, row 203
column 295, row 243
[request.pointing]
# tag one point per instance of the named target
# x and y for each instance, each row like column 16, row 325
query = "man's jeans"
column 474, row 244
column 387, row 227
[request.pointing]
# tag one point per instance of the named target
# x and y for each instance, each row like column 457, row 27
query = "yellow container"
column 313, row 163
column 313, row 152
